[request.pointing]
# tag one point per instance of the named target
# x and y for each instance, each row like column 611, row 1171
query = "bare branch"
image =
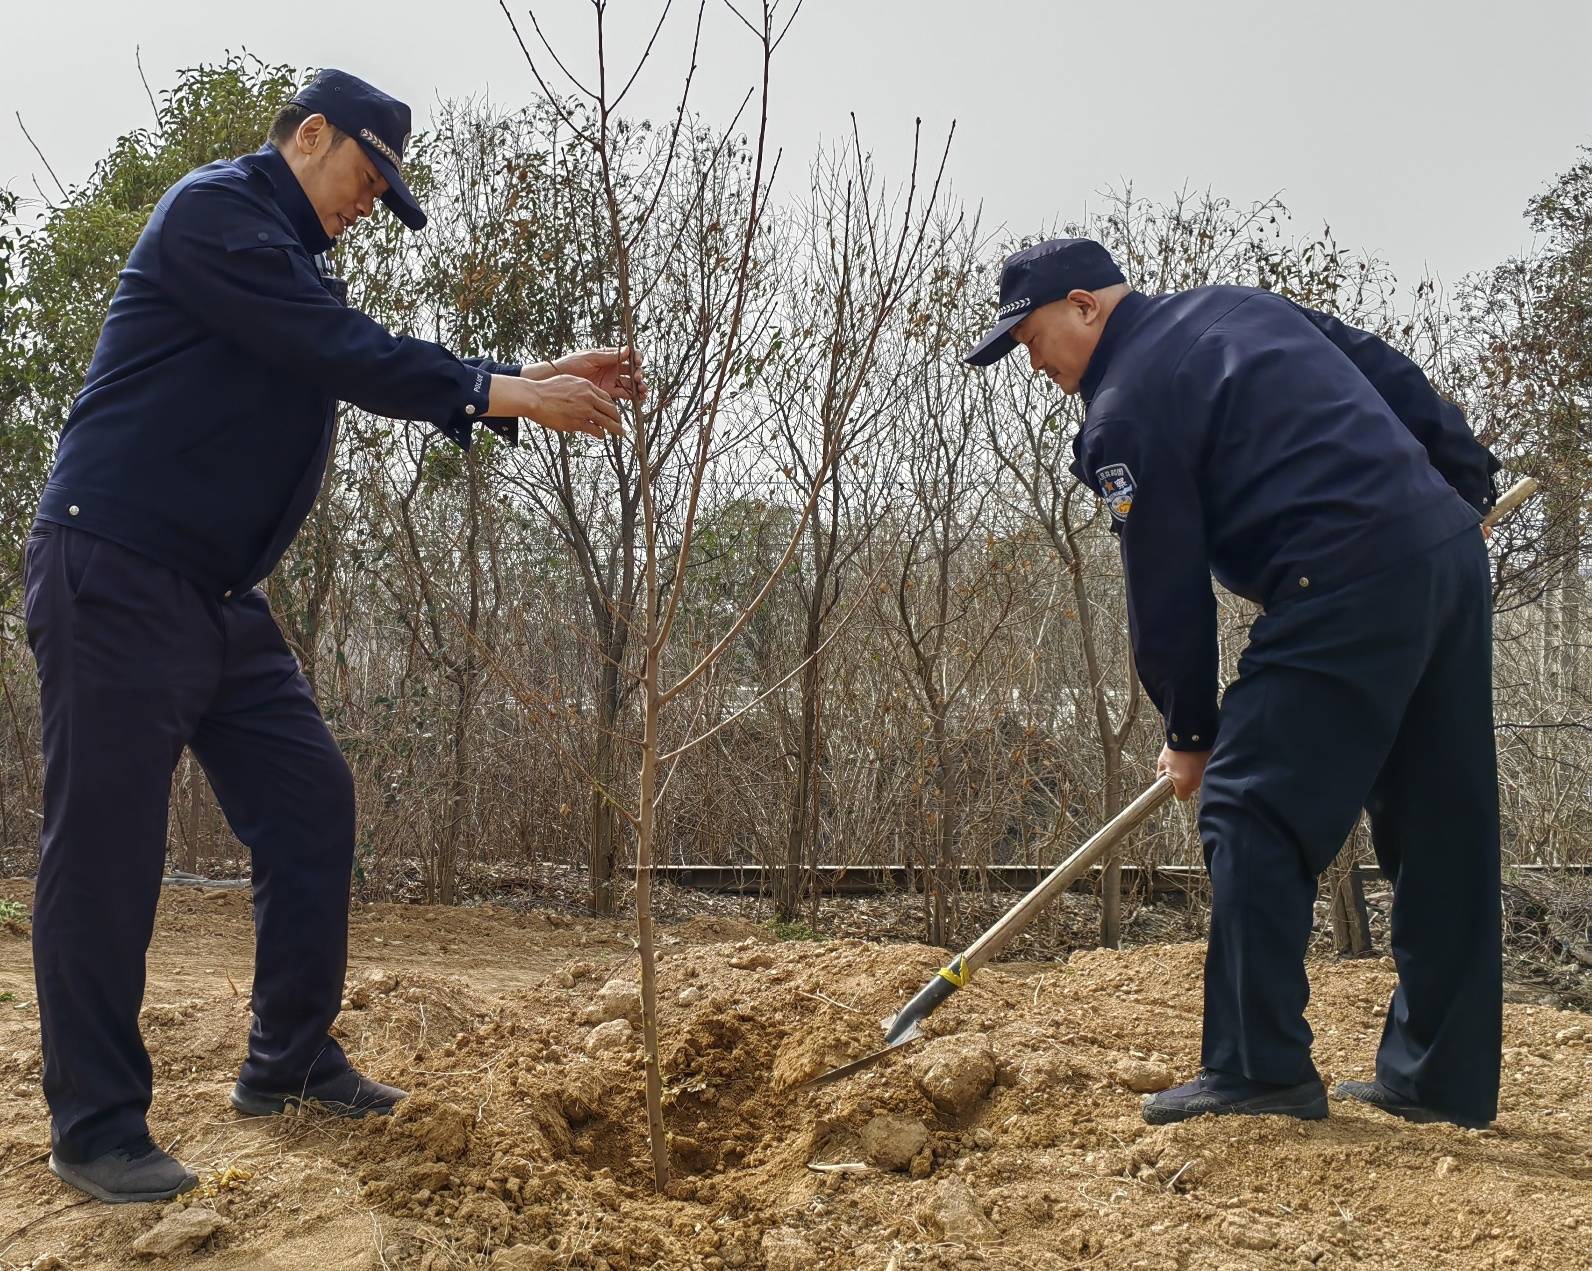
column 138, row 61
column 756, row 34
column 789, row 675
column 547, row 92
column 647, row 52
column 552, row 53
column 42, row 159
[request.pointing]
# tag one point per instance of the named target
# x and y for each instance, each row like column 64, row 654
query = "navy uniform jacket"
column 1232, row 432
column 201, row 436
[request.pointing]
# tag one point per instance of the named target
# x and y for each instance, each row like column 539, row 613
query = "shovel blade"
column 906, row 1025
column 857, row 1065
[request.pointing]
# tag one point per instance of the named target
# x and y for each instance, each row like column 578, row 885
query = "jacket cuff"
column 1192, row 734
column 506, row 427
column 458, row 427
column 1486, row 489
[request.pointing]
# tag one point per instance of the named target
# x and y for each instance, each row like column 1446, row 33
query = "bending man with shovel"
column 1314, row 470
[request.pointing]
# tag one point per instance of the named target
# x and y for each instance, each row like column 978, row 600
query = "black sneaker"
column 1225, row 1094
column 138, row 1171
column 348, row 1094
column 1383, row 1099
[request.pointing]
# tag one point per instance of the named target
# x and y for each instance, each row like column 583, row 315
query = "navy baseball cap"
column 378, row 122
column 1036, row 276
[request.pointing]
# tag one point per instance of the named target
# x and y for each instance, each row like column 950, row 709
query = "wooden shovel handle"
column 1059, row 879
column 1511, row 498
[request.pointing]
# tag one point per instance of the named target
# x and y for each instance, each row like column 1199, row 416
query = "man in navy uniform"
column 1315, row 471
column 190, row 458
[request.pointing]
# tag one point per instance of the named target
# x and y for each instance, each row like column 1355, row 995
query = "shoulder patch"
column 1116, row 488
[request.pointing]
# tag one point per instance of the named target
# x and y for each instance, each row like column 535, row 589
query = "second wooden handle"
column 1511, row 498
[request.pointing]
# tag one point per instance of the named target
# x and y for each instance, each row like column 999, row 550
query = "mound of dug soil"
column 1009, row 1138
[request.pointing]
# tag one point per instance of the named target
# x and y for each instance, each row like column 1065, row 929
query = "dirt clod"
column 440, row 1130
column 618, row 999
column 1244, row 1231
column 956, row 1072
column 179, row 1232
column 786, row 1250
column 891, row 1142
column 371, row 985
column 955, row 1212
column 1142, row 1076
column 616, row 1034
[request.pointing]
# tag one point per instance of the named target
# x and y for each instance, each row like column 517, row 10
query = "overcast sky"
column 1418, row 129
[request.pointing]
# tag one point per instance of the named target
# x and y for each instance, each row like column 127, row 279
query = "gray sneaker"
column 348, row 1094
column 1215, row 1093
column 139, row 1171
column 1380, row 1097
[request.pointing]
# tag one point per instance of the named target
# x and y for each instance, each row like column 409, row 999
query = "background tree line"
column 940, row 672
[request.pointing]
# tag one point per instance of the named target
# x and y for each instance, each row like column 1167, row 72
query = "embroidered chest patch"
column 1117, row 488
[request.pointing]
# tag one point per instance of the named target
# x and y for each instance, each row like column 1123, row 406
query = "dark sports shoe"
column 1225, row 1094
column 137, row 1171
column 348, row 1094
column 1383, row 1099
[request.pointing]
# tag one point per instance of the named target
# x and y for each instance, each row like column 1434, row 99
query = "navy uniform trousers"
column 135, row 663
column 1377, row 694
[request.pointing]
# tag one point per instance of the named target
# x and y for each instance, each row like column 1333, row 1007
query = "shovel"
column 906, row 1026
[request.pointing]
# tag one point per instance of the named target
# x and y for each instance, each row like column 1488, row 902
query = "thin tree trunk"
column 445, row 873
column 465, row 674
column 796, row 841
column 649, row 980
column 1110, row 740
column 945, row 855
column 1351, row 920
column 604, row 826
column 817, row 785
column 188, row 856
column 1111, row 875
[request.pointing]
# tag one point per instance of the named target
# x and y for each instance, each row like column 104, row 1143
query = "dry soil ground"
column 1010, row 1139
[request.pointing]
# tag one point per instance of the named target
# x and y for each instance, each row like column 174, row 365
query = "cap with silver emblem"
column 1036, row 276
column 378, row 122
